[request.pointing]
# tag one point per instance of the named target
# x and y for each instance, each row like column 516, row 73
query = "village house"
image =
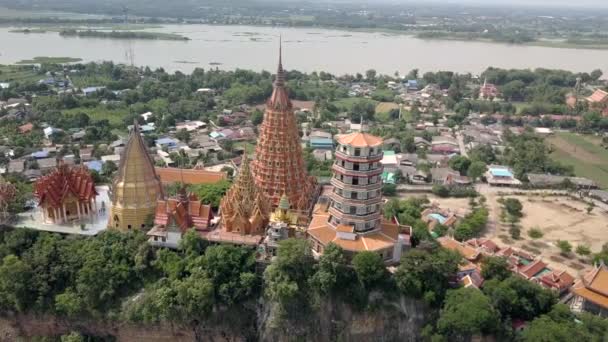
column 498, row 175
column 488, row 91
column 537, row 180
column 599, row 101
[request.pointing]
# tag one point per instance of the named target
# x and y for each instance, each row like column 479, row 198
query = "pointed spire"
column 280, row 79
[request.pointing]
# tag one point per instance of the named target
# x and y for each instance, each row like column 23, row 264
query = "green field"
column 50, row 60
column 12, row 73
column 584, row 153
column 114, row 116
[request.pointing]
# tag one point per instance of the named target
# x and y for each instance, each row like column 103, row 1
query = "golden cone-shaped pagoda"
column 279, row 167
column 245, row 209
column 136, row 188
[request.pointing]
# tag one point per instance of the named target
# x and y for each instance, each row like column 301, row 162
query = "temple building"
column 279, row 165
column 245, row 210
column 591, row 292
column 179, row 214
column 66, row 194
column 136, row 189
column 353, row 219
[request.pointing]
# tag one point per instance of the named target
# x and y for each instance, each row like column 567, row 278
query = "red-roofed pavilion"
column 66, row 194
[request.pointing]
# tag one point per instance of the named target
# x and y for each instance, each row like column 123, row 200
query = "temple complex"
column 279, row 167
column 136, row 189
column 353, row 219
column 245, row 210
column 66, row 194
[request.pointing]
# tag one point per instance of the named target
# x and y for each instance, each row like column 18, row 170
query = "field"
column 584, row 153
column 558, row 218
column 51, row 60
column 10, row 73
column 385, row 107
column 114, row 116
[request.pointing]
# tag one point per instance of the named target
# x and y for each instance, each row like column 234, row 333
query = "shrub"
column 535, row 233
column 515, row 232
column 564, row 246
column 583, row 250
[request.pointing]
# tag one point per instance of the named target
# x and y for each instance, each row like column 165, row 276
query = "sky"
column 580, row 4
column 549, row 3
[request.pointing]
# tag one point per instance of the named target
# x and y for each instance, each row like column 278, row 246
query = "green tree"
column 108, row 168
column 370, row 268
column 231, row 270
column 476, row 170
column 192, row 244
column 516, row 297
column 257, row 117
column 427, row 273
column 495, row 268
column 15, row 282
column 583, row 250
column 331, row 271
column 287, row 277
column 72, row 337
column 183, row 135
column 564, row 246
column 513, row 207
column 466, row 313
column 460, row 164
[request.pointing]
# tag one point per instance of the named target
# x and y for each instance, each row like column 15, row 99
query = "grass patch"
column 122, row 35
column 27, row 30
column 115, row 116
column 535, row 233
column 346, row 104
column 18, row 73
column 386, row 107
column 582, row 152
column 247, row 146
column 50, row 60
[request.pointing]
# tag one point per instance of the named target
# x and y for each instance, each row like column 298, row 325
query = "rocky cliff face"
column 399, row 320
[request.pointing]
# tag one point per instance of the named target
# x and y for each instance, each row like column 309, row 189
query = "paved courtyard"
column 92, row 225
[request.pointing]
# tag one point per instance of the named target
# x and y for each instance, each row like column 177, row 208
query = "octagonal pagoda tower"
column 357, row 196
column 279, row 165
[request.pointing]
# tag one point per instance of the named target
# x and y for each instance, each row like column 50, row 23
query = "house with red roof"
column 559, row 281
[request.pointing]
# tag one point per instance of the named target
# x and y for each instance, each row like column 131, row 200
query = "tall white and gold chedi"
column 136, row 188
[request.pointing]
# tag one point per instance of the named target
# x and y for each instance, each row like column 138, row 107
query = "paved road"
column 463, row 150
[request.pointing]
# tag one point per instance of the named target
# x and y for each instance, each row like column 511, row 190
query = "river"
column 304, row 49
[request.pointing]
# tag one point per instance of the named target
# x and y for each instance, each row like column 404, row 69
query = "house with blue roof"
column 166, row 142
column 94, row 165
column 40, row 154
column 499, row 175
column 321, row 143
column 412, row 85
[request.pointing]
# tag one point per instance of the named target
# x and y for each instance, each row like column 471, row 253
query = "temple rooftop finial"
column 280, row 80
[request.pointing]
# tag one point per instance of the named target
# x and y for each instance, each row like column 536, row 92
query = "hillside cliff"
column 400, row 320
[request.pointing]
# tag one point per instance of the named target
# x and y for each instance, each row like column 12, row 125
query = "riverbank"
column 122, row 35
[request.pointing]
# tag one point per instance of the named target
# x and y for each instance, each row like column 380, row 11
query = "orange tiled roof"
column 560, row 280
column 594, row 286
column 468, row 252
column 188, row 176
column 345, row 228
column 598, row 96
column 384, row 238
column 532, row 269
column 359, row 139
column 28, row 127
